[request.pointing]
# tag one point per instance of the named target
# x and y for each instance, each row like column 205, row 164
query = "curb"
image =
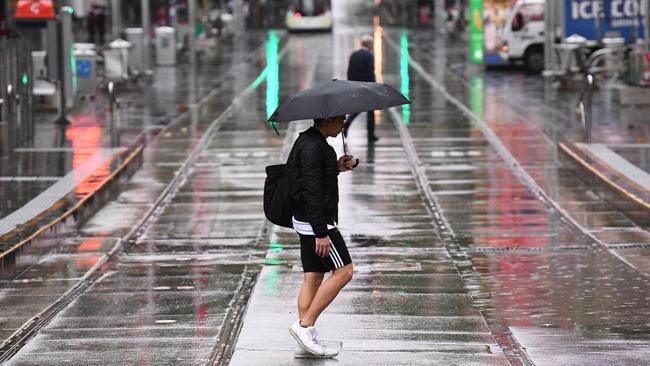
column 613, row 188
column 60, row 216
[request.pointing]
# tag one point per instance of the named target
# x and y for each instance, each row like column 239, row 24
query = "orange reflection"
column 90, row 249
column 85, row 134
column 379, row 57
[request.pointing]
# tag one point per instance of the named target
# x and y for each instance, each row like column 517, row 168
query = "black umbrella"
column 337, row 98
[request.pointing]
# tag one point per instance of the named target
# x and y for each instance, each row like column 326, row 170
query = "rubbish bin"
column 136, row 53
column 639, row 66
column 614, row 43
column 122, row 48
column 86, row 46
column 165, row 46
column 616, row 59
column 86, row 70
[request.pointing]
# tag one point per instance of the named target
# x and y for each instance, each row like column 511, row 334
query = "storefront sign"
column 35, row 10
column 618, row 18
column 495, row 16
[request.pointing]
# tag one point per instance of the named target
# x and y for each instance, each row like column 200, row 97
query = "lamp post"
column 192, row 49
column 646, row 20
column 116, row 13
column 597, row 25
column 146, row 32
column 62, row 117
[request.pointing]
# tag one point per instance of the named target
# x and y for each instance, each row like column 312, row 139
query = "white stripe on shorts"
column 336, row 255
column 336, row 258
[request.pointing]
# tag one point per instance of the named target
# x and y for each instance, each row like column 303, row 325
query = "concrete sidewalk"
column 406, row 304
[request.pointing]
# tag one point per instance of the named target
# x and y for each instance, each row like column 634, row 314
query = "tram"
column 310, row 15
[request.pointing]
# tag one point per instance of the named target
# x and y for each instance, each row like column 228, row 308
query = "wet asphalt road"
column 468, row 245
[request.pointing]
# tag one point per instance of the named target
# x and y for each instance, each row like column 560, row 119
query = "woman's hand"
column 323, row 246
column 346, row 162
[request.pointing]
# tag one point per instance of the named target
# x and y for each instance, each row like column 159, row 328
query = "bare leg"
column 327, row 291
column 310, row 283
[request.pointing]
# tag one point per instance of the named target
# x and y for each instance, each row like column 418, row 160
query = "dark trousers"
column 370, row 123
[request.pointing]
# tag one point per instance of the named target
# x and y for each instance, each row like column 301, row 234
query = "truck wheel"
column 534, row 60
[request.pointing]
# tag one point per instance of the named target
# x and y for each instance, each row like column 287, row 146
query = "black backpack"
column 278, row 195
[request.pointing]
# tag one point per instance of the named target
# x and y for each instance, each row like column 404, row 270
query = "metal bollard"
column 114, row 121
column 4, row 136
column 11, row 119
column 585, row 107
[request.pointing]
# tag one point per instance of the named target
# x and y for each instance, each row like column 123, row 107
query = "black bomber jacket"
column 314, row 173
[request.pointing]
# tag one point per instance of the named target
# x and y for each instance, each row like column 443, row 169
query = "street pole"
column 116, row 13
column 191, row 4
column 549, row 34
column 114, row 122
column 597, row 20
column 4, row 130
column 192, row 25
column 62, row 119
column 146, row 32
column 646, row 21
column 238, row 9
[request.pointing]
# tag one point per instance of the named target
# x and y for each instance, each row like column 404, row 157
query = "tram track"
column 459, row 253
column 24, row 334
column 513, row 164
column 459, row 250
column 229, row 333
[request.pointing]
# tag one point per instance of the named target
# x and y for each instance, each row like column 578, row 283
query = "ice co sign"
column 618, row 18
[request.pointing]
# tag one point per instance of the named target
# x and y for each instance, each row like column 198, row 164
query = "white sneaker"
column 305, row 338
column 327, row 352
column 302, row 353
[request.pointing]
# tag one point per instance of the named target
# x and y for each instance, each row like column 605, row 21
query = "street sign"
column 495, row 16
column 35, row 10
column 618, row 18
column 84, row 68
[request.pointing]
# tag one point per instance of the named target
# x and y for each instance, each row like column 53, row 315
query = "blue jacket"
column 361, row 66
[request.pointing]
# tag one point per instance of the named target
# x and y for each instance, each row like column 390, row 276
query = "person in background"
column 101, row 24
column 91, row 24
column 362, row 68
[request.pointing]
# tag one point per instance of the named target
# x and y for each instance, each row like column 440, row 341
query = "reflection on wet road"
column 406, row 304
column 164, row 299
column 536, row 271
column 458, row 259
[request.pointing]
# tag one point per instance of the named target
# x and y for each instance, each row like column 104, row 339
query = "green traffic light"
column 25, row 79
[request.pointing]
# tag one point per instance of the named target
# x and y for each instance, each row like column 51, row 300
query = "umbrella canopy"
column 337, row 98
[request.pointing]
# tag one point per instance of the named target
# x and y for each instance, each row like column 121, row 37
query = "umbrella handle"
column 345, row 152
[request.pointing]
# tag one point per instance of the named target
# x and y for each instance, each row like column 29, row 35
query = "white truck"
column 522, row 36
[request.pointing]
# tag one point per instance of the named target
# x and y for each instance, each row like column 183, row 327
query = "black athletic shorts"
column 311, row 262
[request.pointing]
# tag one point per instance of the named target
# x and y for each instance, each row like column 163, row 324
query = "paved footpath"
column 406, row 304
